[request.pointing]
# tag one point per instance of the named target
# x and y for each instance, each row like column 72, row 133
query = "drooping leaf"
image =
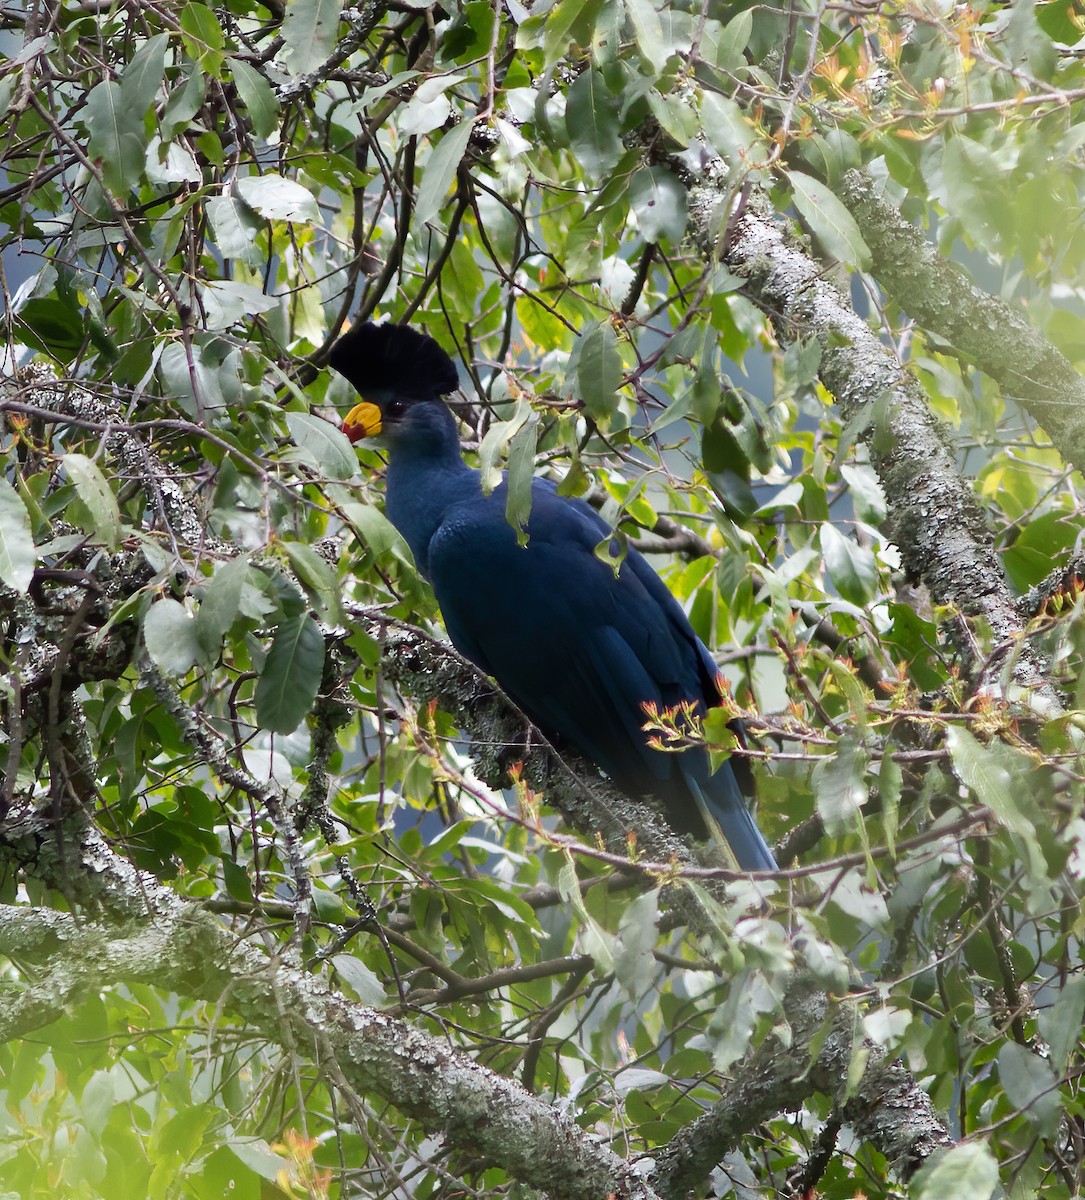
column 329, row 447
column 591, row 119
column 277, row 198
column 840, row 786
column 441, row 168
column 648, row 32
column 851, row 566
column 17, row 554
column 318, row 577
column 202, row 37
column 659, row 201
column 169, row 632
column 116, row 139
column 142, row 78
column 234, row 227
column 291, row 676
column 94, row 490
column 1030, row 1085
column 310, row 28
column 257, row 97
column 220, row 604
column 599, row 371
column 967, row 1171
column 832, row 224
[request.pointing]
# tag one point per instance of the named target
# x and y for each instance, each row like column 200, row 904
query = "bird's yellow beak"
column 363, row 420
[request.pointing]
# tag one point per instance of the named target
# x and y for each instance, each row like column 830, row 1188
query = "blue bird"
column 580, row 649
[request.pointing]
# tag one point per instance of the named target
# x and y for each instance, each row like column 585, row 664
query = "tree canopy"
column 292, row 901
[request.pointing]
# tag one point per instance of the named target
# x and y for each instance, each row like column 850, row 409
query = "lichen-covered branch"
column 170, row 943
column 934, row 517
column 988, row 331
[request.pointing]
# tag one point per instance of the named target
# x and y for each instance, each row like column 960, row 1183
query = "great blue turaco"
column 580, row 647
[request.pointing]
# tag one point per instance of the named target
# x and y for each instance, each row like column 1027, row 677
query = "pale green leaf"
column 831, row 223
column 17, row 553
column 278, row 198
column 169, row 632
column 364, row 982
column 235, row 228
column 318, row 577
column 440, row 170
column 599, row 371
column 220, row 603
column 659, row 202
column 257, row 96
column 967, row 1171
column 988, row 780
column 202, row 37
column 329, row 448
column 1030, row 1085
column 591, row 120
column 648, row 32
column 1061, row 1023
column 142, row 78
column 310, row 31
column 851, row 567
column 93, row 489
column 840, row 787
column 116, row 138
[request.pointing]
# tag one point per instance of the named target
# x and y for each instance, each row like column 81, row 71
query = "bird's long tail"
column 723, row 807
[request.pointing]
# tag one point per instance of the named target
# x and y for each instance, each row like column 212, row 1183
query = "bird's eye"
column 396, row 408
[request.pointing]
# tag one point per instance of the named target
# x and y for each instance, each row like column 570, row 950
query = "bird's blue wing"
column 581, row 649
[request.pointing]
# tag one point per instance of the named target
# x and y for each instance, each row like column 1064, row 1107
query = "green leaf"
column 364, row 982
column 726, row 126
column 94, row 490
column 330, row 449
column 851, row 567
column 184, row 102
column 521, row 472
column 591, row 120
column 659, row 202
column 633, row 962
column 227, row 302
column 1030, row 1085
column 169, row 632
column 257, row 97
column 277, row 198
column 987, row 779
column 967, row 1171
column 1061, row 1023
column 318, row 577
column 440, row 171
column 202, row 38
column 17, row 553
column 648, row 32
column 220, row 603
column 116, row 138
column 599, row 371
column 291, row 677
column 840, row 786
column 235, row 228
column 310, row 30
column 831, row 223
column 96, row 1102
column 143, row 76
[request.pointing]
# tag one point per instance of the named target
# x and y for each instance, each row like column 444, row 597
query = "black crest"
column 393, row 358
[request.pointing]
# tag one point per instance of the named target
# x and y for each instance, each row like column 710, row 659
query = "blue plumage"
column 580, row 649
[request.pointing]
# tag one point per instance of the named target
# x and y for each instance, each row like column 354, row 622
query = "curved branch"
column 174, row 945
column 983, row 328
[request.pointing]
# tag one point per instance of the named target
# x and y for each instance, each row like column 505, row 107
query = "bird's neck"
column 424, row 479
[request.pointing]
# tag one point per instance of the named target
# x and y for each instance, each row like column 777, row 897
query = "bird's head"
column 400, row 374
